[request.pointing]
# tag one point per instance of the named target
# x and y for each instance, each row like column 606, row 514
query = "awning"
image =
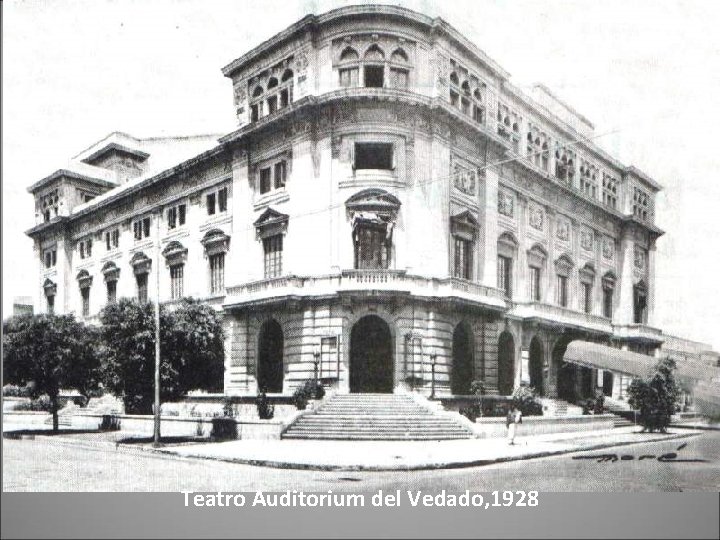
column 696, row 371
column 594, row 355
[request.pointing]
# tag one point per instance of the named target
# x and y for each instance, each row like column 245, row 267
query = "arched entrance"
column 270, row 357
column 506, row 364
column 462, row 360
column 566, row 373
column 371, row 356
column 535, row 366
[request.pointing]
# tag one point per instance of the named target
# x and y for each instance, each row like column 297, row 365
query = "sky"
column 646, row 73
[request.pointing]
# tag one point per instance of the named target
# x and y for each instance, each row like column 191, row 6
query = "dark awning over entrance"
column 598, row 356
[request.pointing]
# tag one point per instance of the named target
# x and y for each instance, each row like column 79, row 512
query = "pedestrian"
column 514, row 417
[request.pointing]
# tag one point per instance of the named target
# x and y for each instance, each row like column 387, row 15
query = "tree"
column 49, row 353
column 655, row 397
column 191, row 348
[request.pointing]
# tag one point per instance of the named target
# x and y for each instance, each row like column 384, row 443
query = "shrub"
column 265, row 410
column 471, row 412
column 228, row 408
column 110, row 422
column 655, row 397
column 223, row 428
column 525, row 399
column 10, row 390
column 477, row 387
column 594, row 405
column 41, row 404
column 309, row 389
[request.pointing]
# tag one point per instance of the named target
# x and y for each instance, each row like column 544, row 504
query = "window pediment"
column 141, row 263
column 84, row 279
column 175, row 253
column 507, row 245
column 564, row 265
column 537, row 256
column 464, row 225
column 375, row 200
column 587, row 273
column 50, row 288
column 271, row 223
column 110, row 271
column 215, row 241
column 609, row 280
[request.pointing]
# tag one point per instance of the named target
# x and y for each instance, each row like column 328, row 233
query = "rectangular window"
column 641, row 204
column 372, row 250
column 146, row 227
column 222, row 199
column 349, row 77
column 374, row 76
column 504, row 275
column 454, row 99
column 562, row 291
column 255, row 112
column 607, row 302
column 85, row 248
column 50, row 257
column 50, row 303
column 284, row 97
column 217, row 273
column 280, row 174
column 85, row 293
column 478, row 114
column 141, row 228
column 273, row 248
column 172, row 218
column 265, row 180
column 373, row 156
column 463, row 259
column 176, row 281
column 142, row 288
column 137, row 230
column 586, row 300
column 272, row 103
column 210, row 203
column 399, row 78
column 465, row 106
column 534, row 283
column 111, row 291
column 639, row 305
column 112, row 239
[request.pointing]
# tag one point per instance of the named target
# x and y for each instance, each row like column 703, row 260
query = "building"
column 390, row 213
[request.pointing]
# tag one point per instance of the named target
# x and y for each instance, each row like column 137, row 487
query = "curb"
column 172, row 454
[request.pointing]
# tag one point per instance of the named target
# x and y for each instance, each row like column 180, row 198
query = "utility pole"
column 156, row 427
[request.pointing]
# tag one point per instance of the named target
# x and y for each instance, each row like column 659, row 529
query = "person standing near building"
column 514, row 417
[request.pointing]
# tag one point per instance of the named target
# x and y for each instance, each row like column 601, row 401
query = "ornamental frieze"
column 562, row 229
column 465, row 180
column 640, row 258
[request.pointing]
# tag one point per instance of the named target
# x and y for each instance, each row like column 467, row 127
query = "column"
column 488, row 234
column 651, row 283
column 520, row 291
column 624, row 311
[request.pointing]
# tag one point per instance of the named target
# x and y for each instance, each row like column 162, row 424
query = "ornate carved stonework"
column 537, row 217
column 465, row 180
column 608, row 248
column 506, row 204
column 586, row 239
column 562, row 230
column 640, row 258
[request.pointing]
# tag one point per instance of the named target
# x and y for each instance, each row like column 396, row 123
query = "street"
column 39, row 465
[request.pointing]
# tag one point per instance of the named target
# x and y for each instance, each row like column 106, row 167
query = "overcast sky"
column 74, row 71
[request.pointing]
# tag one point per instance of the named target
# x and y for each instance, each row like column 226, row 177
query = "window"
column 141, row 228
column 373, row 156
column 349, row 77
column 217, row 273
column 639, row 304
column 607, row 302
column 463, row 258
column 610, row 191
column 641, row 204
column 50, row 257
column 255, row 112
column 85, row 294
column 176, row 281
column 586, row 299
column 508, row 125
column 534, row 283
column 562, row 291
column 504, row 275
column 265, row 179
column 399, row 78
column 176, row 216
column 111, row 291
column 142, row 287
column 372, row 248
column 565, row 166
column 50, row 298
column 273, row 247
column 49, row 205
column 374, row 76
column 85, row 248
column 588, row 179
column 276, row 95
column 272, row 104
column 112, row 239
column 280, row 174
column 222, row 199
column 472, row 102
column 538, row 145
column 210, row 203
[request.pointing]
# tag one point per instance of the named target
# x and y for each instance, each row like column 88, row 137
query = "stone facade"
column 385, row 175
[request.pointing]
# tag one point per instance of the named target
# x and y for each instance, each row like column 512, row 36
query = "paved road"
column 37, row 466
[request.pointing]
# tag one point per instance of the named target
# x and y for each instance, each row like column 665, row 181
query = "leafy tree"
column 191, row 348
column 655, row 397
column 49, row 353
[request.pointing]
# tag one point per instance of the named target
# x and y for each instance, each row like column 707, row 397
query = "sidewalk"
column 413, row 455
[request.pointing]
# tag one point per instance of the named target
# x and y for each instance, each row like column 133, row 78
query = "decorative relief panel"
column 465, row 180
column 562, row 229
column 640, row 258
column 506, row 204
column 586, row 239
column 608, row 248
column 536, row 216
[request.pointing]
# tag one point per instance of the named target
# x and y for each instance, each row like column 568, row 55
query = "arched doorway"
column 535, row 366
column 371, row 356
column 506, row 364
column 462, row 360
column 566, row 373
column 270, row 357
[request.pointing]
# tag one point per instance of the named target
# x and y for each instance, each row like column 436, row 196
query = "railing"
column 349, row 280
column 563, row 315
column 638, row 331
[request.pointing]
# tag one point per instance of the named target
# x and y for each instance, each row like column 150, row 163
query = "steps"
column 375, row 417
column 624, row 414
column 558, row 407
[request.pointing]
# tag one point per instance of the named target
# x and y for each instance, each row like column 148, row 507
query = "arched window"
column 399, row 56
column 258, row 91
column 287, row 75
column 374, row 54
column 272, row 83
column 507, row 252
column 399, row 72
column 563, row 269
column 349, row 55
column 374, row 68
column 454, row 79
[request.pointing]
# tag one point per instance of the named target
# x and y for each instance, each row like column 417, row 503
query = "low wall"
column 27, row 417
column 542, row 425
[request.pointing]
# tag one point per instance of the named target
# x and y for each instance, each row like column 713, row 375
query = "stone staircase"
column 370, row 417
column 624, row 414
column 558, row 407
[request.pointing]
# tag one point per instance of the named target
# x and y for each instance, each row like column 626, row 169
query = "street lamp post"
column 156, row 423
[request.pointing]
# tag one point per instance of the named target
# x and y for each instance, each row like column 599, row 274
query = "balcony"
column 562, row 316
column 638, row 332
column 367, row 282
